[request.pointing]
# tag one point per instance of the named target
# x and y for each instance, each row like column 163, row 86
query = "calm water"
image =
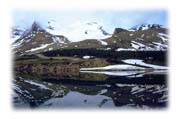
column 91, row 89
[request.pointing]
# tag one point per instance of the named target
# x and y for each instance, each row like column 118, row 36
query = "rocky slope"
column 37, row 39
column 153, row 37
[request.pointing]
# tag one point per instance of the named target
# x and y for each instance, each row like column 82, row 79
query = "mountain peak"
column 36, row 26
column 145, row 27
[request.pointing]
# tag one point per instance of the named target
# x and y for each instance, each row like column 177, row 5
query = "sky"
column 109, row 19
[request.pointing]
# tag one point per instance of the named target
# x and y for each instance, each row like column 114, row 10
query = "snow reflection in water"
column 148, row 90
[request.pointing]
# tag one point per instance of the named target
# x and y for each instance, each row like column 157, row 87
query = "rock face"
column 118, row 30
column 36, row 27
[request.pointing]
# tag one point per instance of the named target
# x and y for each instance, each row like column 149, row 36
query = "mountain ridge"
column 151, row 37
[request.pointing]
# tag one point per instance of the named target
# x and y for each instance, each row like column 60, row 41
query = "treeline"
column 156, row 55
column 108, row 54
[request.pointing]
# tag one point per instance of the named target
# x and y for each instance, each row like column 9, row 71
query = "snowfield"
column 140, row 62
column 79, row 31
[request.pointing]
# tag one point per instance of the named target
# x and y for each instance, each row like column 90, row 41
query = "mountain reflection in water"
column 89, row 89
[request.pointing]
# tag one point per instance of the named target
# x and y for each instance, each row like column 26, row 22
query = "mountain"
column 30, row 40
column 36, row 39
column 39, row 38
column 154, row 37
column 145, row 37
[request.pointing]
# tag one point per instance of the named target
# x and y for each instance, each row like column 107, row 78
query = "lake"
column 88, row 89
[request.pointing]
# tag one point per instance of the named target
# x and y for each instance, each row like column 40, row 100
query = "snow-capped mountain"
column 145, row 37
column 37, row 39
column 75, row 32
column 20, row 29
column 154, row 38
column 79, row 31
column 40, row 38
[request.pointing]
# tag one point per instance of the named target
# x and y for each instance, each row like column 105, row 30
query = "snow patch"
column 123, row 49
column 160, row 46
column 57, row 40
column 108, row 48
column 103, row 42
column 130, row 34
column 18, row 44
column 38, row 48
column 162, row 34
column 140, row 62
column 50, row 49
column 140, row 46
column 103, row 91
column 86, row 57
column 142, row 35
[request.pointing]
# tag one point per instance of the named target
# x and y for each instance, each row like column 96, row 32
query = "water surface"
column 91, row 90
